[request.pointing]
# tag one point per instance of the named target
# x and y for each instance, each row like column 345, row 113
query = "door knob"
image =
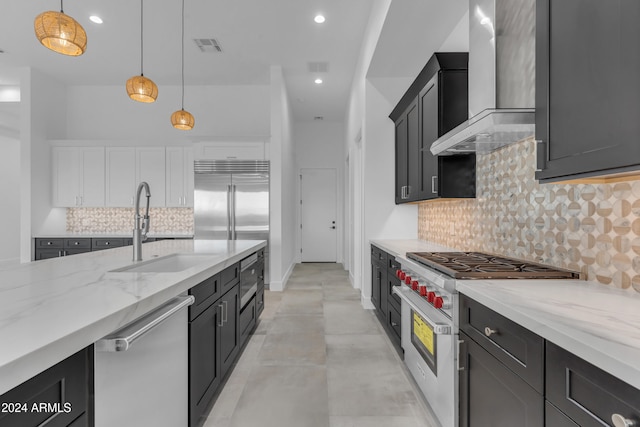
column 333, row 227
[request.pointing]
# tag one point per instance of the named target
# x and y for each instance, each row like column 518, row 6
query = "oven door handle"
column 438, row 328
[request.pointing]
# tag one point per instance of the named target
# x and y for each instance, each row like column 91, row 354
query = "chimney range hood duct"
column 501, row 78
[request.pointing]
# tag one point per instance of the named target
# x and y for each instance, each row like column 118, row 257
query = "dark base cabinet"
column 217, row 332
column 61, row 396
column 492, row 395
column 387, row 305
column 587, row 394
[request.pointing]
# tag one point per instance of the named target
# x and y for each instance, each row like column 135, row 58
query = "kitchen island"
column 51, row 309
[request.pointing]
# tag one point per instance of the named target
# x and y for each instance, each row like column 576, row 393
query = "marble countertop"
column 51, row 309
column 598, row 323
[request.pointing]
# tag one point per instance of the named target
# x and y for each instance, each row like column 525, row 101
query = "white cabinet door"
column 66, row 170
column 92, row 176
column 150, row 167
column 78, row 176
column 121, row 176
column 179, row 177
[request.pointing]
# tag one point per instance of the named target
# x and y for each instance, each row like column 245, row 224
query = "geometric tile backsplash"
column 120, row 220
column 591, row 228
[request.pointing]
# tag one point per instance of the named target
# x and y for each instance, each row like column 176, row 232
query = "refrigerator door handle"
column 234, row 235
column 229, row 213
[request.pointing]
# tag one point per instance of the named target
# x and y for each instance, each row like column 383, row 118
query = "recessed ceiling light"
column 318, row 81
column 96, row 19
column 319, row 19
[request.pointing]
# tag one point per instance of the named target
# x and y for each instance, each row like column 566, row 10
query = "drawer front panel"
column 205, row 293
column 49, row 243
column 229, row 277
column 394, row 319
column 98, row 244
column 587, row 394
column 378, row 255
column 519, row 349
column 77, row 243
column 553, row 417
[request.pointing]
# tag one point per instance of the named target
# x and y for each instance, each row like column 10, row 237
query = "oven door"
column 429, row 340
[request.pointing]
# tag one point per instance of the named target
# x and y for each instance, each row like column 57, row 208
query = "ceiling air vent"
column 318, row 118
column 318, row 67
column 208, row 45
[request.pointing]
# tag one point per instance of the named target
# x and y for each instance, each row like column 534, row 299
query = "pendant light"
column 60, row 33
column 182, row 119
column 141, row 88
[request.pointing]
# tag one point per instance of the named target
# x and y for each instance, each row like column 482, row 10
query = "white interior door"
column 318, row 194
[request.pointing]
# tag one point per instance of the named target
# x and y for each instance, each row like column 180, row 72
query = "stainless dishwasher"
column 141, row 370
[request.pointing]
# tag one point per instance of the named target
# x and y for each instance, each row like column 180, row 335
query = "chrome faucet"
column 140, row 230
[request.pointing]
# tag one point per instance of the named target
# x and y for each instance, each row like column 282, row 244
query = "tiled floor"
column 318, row 358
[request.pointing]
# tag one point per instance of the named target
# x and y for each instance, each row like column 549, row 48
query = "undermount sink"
column 167, row 264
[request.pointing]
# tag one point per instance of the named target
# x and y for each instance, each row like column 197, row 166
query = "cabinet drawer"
column 229, row 277
column 517, row 348
column 77, row 243
column 392, row 298
column 587, row 394
column 49, row 243
column 378, row 255
column 99, row 244
column 205, row 293
column 247, row 320
column 48, row 254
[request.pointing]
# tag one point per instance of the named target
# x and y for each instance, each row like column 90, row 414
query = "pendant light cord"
column 61, row 11
column 183, row 54
column 141, row 40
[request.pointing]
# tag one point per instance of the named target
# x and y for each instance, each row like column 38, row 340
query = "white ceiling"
column 254, row 34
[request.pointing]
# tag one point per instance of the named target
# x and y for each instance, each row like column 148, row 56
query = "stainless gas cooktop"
column 477, row 265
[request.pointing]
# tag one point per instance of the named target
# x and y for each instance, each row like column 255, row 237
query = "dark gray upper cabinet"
column 435, row 103
column 587, row 88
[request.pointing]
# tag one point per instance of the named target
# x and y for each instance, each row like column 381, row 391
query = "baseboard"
column 367, row 304
column 8, row 262
column 279, row 286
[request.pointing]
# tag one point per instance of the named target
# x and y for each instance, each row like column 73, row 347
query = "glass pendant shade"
column 183, row 120
column 142, row 89
column 60, row 33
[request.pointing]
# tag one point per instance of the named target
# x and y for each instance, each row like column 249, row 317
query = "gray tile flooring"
column 317, row 358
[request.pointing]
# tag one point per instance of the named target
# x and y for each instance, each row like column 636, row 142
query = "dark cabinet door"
column 376, row 285
column 229, row 331
column 587, row 87
column 429, row 132
column 491, row 394
column 60, row 394
column 402, row 178
column 413, row 162
column 204, row 369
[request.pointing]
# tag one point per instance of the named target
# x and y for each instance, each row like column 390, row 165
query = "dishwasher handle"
column 123, row 339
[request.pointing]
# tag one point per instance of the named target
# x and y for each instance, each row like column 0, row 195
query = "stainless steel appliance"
column 141, row 370
column 248, row 278
column 430, row 317
column 231, row 201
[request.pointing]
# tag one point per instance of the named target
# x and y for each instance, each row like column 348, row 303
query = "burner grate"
column 477, row 265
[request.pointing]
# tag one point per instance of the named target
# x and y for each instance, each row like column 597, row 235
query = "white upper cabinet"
column 150, row 167
column 121, row 176
column 179, row 177
column 78, row 176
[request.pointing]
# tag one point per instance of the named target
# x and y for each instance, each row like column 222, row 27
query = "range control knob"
column 402, row 275
column 431, row 296
column 446, row 302
column 423, row 290
column 407, row 280
column 414, row 285
column 398, row 273
column 438, row 302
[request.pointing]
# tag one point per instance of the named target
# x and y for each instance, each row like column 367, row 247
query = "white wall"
column 458, row 40
column 10, row 191
column 42, row 117
column 106, row 112
column 319, row 144
column 282, row 192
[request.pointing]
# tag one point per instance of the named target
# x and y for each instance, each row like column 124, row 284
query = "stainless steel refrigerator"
column 231, row 201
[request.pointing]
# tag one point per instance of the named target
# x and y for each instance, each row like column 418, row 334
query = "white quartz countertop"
column 598, row 323
column 110, row 235
column 53, row 308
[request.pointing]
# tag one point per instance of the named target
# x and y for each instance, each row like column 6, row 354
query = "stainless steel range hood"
column 501, row 78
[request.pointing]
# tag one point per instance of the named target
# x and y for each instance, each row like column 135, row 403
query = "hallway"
column 318, row 358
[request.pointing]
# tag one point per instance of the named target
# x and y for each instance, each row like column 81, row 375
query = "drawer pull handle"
column 488, row 331
column 620, row 421
column 394, row 324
